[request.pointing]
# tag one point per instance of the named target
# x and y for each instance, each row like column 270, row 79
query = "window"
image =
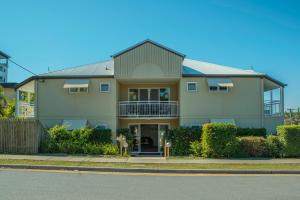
column 133, row 94
column 104, row 87
column 149, row 94
column 192, row 87
column 78, row 90
column 223, row 89
column 213, row 88
column 218, row 89
column 164, row 94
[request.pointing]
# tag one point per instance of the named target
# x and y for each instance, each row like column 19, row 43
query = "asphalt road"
column 31, row 185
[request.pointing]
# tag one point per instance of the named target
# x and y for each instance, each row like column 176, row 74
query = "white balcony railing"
column 272, row 107
column 140, row 109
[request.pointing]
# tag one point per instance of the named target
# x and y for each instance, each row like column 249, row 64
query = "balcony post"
column 271, row 102
column 282, row 101
column 17, row 103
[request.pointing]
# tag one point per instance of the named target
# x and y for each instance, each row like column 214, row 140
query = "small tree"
column 3, row 102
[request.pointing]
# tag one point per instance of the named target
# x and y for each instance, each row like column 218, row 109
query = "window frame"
column 104, row 91
column 187, row 86
column 218, row 89
column 78, row 90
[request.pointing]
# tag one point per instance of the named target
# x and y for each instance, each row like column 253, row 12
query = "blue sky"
column 59, row 34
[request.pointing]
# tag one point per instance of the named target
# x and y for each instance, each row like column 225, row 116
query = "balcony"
column 148, row 109
column 272, row 107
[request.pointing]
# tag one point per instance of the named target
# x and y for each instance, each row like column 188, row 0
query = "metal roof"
column 147, row 41
column 105, row 68
column 4, row 55
column 195, row 67
column 9, row 85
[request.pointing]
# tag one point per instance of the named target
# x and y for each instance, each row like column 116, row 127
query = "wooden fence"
column 20, row 135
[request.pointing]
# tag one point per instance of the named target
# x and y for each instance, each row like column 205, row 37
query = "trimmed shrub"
column 101, row 136
column 110, row 149
column 290, row 137
column 253, row 146
column 78, row 141
column 275, row 147
column 181, row 139
column 218, row 140
column 195, row 148
column 251, row 132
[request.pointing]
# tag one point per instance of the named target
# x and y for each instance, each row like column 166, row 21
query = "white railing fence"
column 148, row 109
column 273, row 107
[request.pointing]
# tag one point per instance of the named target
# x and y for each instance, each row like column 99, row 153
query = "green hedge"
column 89, row 141
column 219, row 140
column 181, row 139
column 253, row 146
column 101, row 136
column 275, row 146
column 290, row 137
column 251, row 132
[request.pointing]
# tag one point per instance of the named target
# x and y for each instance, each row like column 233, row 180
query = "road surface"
column 45, row 185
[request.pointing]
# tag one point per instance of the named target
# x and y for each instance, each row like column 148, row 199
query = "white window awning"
column 76, row 83
column 223, row 82
column 71, row 124
column 224, row 120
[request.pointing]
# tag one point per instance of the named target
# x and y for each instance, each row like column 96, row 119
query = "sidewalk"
column 155, row 160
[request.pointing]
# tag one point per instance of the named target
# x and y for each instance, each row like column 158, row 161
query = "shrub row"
column 85, row 140
column 181, row 139
column 289, row 135
column 219, row 141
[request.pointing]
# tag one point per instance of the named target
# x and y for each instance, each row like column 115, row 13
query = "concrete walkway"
column 160, row 160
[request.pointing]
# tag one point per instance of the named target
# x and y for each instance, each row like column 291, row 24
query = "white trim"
column 196, row 86
column 104, row 83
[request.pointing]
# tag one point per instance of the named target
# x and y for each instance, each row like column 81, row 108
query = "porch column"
column 17, row 103
column 271, row 102
column 282, row 101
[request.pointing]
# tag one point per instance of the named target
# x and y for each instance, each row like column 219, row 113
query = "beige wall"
column 123, row 89
column 56, row 104
column 243, row 102
column 146, row 62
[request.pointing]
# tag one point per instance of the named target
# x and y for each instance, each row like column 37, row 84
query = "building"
column 3, row 67
column 150, row 88
column 9, row 90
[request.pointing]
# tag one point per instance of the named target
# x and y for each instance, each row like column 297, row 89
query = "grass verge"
column 155, row 166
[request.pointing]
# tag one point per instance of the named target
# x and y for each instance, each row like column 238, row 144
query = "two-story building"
column 150, row 88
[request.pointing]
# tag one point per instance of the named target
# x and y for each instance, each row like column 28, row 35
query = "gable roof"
column 144, row 42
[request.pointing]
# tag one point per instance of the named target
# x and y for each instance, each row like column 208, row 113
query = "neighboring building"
column 9, row 90
column 3, row 67
column 150, row 88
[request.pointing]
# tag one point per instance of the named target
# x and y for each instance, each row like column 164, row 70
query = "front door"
column 148, row 138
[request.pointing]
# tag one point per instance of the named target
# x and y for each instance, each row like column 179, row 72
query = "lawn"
column 155, row 166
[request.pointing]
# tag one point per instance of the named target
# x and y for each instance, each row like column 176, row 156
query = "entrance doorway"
column 148, row 138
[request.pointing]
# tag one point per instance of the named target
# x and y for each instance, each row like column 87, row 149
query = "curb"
column 139, row 170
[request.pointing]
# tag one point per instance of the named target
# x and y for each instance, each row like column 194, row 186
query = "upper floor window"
column 192, row 86
column 104, row 87
column 78, row 90
column 218, row 89
column 149, row 94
